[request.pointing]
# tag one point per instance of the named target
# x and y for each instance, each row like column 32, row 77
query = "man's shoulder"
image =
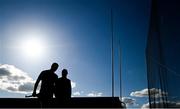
column 63, row 78
column 55, row 75
column 68, row 79
column 45, row 71
column 60, row 78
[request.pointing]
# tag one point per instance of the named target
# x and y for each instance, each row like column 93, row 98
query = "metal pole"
column 112, row 55
column 120, row 71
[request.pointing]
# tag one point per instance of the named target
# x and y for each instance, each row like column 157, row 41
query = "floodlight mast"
column 120, row 70
column 112, row 51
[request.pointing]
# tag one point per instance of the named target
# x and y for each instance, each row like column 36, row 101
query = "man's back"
column 47, row 86
column 63, row 89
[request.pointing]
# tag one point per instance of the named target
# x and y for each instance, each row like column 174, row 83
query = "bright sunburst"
column 33, row 47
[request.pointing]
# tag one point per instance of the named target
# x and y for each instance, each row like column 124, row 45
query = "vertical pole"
column 112, row 55
column 120, row 71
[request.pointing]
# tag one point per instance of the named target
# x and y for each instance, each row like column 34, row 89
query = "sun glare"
column 33, row 48
column 31, row 36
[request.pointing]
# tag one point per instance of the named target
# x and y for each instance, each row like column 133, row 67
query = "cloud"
column 12, row 79
column 73, row 84
column 145, row 106
column 144, row 93
column 94, row 94
column 76, row 93
column 128, row 101
column 15, row 80
column 26, row 87
column 171, row 104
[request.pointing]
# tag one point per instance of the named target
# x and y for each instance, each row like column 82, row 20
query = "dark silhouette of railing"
column 77, row 102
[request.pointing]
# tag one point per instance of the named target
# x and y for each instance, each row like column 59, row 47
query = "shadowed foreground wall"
column 84, row 102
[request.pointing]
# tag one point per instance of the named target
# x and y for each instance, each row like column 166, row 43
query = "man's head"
column 64, row 73
column 54, row 67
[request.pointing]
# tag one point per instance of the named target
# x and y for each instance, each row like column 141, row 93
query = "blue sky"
column 77, row 35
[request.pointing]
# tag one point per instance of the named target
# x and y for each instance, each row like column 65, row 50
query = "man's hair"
column 64, row 72
column 54, row 66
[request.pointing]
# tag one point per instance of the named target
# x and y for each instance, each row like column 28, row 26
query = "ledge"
column 76, row 102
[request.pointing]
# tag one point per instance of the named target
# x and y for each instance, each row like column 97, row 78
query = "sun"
column 33, row 48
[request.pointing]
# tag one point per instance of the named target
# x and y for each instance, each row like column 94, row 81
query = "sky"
column 77, row 35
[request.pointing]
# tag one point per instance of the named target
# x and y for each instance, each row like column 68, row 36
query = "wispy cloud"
column 94, row 94
column 15, row 80
column 144, row 93
column 129, row 101
column 77, row 93
column 171, row 104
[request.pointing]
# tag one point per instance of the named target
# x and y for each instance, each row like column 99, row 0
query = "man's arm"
column 36, row 84
column 55, row 87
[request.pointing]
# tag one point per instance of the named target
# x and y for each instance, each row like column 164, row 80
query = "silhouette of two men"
column 50, row 84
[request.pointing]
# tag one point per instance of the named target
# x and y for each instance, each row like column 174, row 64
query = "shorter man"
column 63, row 88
